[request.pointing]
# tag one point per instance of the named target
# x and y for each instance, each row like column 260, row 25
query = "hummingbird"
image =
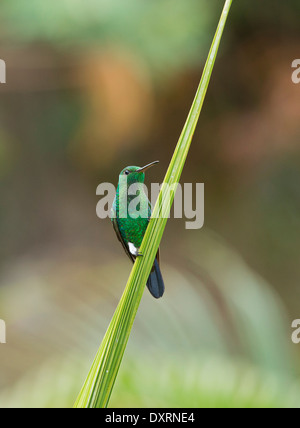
column 129, row 227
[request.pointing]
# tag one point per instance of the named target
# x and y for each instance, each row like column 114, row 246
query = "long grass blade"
column 99, row 383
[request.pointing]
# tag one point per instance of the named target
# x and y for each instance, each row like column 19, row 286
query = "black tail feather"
column 155, row 281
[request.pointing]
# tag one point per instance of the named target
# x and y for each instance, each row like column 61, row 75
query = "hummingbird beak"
column 144, row 168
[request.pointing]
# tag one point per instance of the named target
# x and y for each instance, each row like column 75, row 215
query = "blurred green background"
column 93, row 86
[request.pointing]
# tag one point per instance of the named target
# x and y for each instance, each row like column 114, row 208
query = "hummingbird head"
column 135, row 174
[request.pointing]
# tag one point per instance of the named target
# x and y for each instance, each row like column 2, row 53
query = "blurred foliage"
column 217, row 338
column 137, row 26
column 93, row 86
column 213, row 382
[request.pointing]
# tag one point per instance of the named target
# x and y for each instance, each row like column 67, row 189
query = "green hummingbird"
column 130, row 227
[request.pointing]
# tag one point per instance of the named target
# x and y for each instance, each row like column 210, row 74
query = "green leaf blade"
column 99, row 383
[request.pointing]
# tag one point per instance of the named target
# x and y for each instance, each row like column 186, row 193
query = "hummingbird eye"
column 126, row 172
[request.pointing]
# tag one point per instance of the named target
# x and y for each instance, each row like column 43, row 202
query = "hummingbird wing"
column 119, row 236
column 155, row 281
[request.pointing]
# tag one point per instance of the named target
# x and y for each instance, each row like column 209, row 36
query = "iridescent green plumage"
column 131, row 212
